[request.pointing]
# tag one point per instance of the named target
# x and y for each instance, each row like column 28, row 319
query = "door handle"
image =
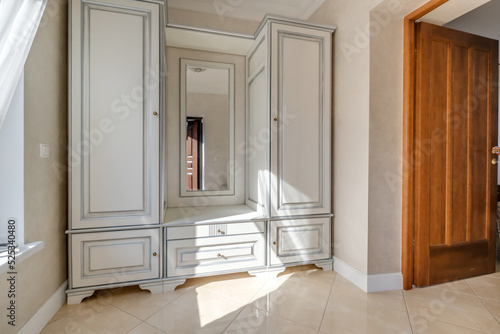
column 495, row 150
column 494, row 161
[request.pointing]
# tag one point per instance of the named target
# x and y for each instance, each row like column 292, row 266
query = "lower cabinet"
column 114, row 257
column 299, row 240
column 215, row 254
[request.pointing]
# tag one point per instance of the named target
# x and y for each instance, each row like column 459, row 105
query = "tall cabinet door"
column 115, row 105
column 301, row 120
column 257, row 195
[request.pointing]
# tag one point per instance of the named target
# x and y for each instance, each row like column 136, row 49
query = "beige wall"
column 368, row 74
column 45, row 121
column 367, row 126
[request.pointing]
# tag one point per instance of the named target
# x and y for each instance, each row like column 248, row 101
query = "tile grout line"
column 493, row 315
column 372, row 302
column 118, row 308
column 459, row 293
column 327, row 302
column 235, row 300
column 236, row 317
column 161, row 308
column 278, row 315
column 246, row 304
column 408, row 312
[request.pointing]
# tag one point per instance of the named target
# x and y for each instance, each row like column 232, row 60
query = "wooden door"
column 192, row 154
column 300, row 120
column 455, row 130
column 115, row 87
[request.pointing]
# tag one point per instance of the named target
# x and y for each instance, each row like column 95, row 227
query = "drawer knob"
column 274, row 243
column 219, row 231
column 221, row 256
column 154, row 254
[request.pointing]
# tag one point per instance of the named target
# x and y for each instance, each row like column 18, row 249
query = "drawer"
column 213, row 230
column 205, row 255
column 113, row 257
column 300, row 240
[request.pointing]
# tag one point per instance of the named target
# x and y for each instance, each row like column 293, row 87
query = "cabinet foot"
column 266, row 273
column 152, row 287
column 76, row 297
column 170, row 286
column 326, row 265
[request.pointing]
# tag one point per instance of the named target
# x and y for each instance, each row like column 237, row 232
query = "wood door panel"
column 480, row 147
column 455, row 129
column 455, row 261
column 459, row 131
column 438, row 147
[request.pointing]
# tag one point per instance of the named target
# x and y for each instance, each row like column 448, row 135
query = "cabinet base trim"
column 369, row 283
column 326, row 265
column 169, row 286
column 266, row 273
column 76, row 297
column 156, row 287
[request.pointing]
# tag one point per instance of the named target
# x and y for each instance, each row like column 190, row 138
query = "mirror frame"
column 184, row 63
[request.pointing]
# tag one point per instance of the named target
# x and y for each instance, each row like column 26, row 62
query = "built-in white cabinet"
column 215, row 254
column 115, row 113
column 230, row 200
column 289, row 120
column 114, row 257
column 115, row 118
column 299, row 240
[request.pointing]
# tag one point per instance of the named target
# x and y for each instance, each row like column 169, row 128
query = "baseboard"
column 368, row 283
column 385, row 282
column 351, row 274
column 46, row 312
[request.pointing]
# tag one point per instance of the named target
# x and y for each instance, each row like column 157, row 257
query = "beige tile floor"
column 301, row 300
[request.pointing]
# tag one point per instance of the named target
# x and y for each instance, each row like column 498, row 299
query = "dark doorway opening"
column 194, row 153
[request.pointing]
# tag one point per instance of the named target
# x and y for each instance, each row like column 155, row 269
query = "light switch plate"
column 44, row 151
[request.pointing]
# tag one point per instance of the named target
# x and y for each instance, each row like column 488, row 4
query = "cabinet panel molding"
column 301, row 111
column 112, row 257
column 299, row 240
column 213, row 230
column 218, row 254
column 115, row 86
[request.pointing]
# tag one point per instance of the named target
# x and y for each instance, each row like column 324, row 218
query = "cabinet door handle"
column 274, row 243
column 154, row 254
column 155, row 113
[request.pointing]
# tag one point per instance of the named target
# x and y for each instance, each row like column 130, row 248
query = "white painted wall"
column 12, row 166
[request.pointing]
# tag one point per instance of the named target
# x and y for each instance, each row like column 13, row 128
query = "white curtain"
column 19, row 20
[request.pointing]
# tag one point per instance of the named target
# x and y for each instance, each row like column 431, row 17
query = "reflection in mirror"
column 207, row 117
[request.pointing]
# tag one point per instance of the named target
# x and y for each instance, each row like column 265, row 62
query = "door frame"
column 409, row 75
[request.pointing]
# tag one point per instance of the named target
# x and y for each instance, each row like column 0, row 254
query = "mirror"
column 207, row 128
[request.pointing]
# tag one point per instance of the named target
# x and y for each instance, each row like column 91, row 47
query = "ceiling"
column 451, row 10
column 253, row 10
